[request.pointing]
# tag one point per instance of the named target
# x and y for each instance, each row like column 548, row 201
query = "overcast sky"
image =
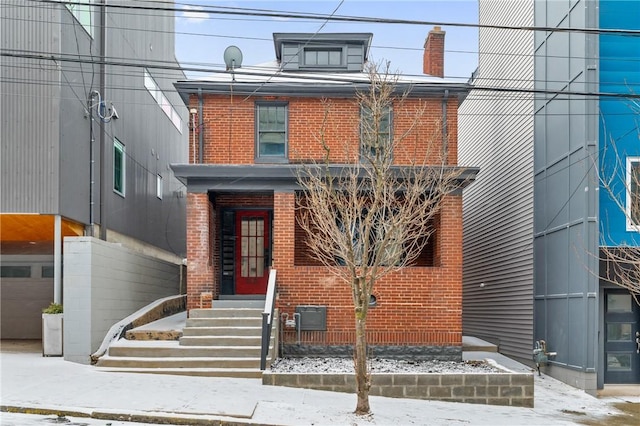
column 202, row 38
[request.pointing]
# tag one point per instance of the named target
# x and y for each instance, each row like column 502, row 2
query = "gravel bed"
column 379, row 365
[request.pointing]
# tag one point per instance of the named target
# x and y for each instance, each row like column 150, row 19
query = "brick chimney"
column 433, row 59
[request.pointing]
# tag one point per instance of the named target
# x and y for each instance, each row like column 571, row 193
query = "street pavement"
column 40, row 387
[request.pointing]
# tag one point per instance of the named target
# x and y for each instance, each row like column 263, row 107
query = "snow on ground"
column 380, row 365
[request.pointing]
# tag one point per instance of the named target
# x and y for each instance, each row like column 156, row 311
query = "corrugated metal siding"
column 30, row 109
column 151, row 140
column 78, row 80
column 45, row 133
column 496, row 134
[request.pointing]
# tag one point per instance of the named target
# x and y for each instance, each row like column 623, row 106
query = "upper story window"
column 317, row 52
column 322, row 57
column 633, row 194
column 83, row 12
column 375, row 130
column 157, row 94
column 119, row 169
column 159, row 186
column 271, row 131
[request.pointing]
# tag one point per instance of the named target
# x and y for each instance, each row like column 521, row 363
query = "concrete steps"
column 221, row 342
column 241, row 373
column 182, row 362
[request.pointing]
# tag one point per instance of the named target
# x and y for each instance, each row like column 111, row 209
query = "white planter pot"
column 52, row 334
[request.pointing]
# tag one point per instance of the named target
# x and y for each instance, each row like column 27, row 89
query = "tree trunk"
column 360, row 360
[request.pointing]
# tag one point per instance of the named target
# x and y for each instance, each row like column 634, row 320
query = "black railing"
column 267, row 318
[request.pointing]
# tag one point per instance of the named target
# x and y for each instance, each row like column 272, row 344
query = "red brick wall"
column 419, row 305
column 229, row 129
column 200, row 233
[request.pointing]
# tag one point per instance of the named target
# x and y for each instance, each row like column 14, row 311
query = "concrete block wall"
column 509, row 389
column 104, row 283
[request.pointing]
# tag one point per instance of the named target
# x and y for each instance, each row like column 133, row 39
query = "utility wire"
column 327, row 79
column 220, row 10
column 373, row 46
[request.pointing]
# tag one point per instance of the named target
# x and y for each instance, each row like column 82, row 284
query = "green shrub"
column 53, row 308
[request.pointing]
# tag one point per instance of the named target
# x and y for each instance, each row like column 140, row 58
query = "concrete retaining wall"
column 104, row 283
column 493, row 389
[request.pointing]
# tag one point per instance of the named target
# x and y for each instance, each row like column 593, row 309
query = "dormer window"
column 322, row 52
column 323, row 57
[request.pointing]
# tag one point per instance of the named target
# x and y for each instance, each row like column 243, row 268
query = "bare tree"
column 620, row 178
column 373, row 216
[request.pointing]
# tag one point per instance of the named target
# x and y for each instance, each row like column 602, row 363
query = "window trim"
column 284, row 158
column 121, row 149
column 632, row 162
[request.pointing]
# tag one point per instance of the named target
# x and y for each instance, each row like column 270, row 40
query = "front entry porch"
column 230, row 250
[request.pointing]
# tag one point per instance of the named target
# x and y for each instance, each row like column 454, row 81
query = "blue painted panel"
column 619, row 73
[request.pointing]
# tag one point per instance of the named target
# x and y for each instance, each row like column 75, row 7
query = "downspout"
column 445, row 135
column 103, row 135
column 91, row 230
column 57, row 259
column 200, row 127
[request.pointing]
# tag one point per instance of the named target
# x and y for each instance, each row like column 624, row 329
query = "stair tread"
column 243, row 373
column 222, row 327
column 173, row 344
column 230, row 335
column 182, row 358
column 181, row 368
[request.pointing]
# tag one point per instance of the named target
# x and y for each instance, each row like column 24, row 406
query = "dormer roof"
column 343, row 52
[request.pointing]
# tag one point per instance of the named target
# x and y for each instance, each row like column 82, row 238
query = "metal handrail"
column 267, row 318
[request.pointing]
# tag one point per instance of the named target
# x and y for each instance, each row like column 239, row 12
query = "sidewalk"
column 38, row 384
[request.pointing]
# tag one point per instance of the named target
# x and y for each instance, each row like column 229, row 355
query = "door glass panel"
column 252, row 250
column 619, row 361
column 619, row 302
column 245, row 247
column 245, row 267
column 252, row 246
column 620, row 332
column 260, row 268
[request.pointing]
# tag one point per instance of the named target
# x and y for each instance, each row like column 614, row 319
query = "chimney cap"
column 436, row 29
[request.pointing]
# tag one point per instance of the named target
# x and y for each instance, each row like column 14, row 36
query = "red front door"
column 252, row 248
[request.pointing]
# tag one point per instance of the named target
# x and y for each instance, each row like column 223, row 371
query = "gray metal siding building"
column 496, row 134
column 58, row 61
column 531, row 230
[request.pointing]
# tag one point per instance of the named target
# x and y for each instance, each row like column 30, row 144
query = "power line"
column 327, row 79
column 373, row 46
column 417, row 49
column 220, row 10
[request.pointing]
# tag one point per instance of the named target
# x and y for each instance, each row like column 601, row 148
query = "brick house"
column 251, row 129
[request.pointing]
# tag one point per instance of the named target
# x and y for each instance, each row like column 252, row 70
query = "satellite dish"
column 232, row 58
